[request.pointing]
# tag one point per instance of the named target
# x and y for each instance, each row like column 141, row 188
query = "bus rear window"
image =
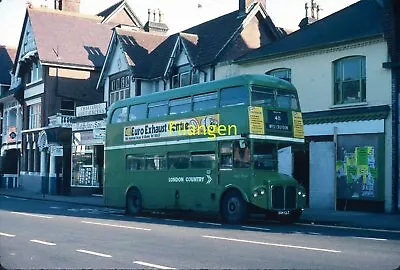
column 262, row 96
column 119, row 115
column 234, row 96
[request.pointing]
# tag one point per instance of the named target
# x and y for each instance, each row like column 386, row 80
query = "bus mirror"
column 242, row 144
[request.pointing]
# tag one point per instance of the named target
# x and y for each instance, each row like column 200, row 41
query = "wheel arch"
column 231, row 187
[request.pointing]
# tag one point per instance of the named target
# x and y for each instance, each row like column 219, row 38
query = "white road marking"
column 314, row 233
column 210, row 223
column 256, row 228
column 117, row 226
column 94, row 253
column 6, row 197
column 43, row 242
column 30, row 215
column 174, row 220
column 55, row 207
column 370, row 238
column 117, row 215
column 20, row 199
column 152, row 265
column 7, row 234
column 271, row 244
column 143, row 217
column 348, row 228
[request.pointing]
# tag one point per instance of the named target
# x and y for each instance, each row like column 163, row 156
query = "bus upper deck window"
column 234, row 96
column 180, row 105
column 205, row 101
column 137, row 112
column 157, row 109
column 262, row 96
column 287, row 101
column 119, row 115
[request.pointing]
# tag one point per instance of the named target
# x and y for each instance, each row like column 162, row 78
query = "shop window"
column 281, row 73
column 205, row 101
column 237, row 95
column 178, row 160
column 180, row 105
column 349, row 80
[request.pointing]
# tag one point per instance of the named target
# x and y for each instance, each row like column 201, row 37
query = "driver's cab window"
column 241, row 154
column 265, row 156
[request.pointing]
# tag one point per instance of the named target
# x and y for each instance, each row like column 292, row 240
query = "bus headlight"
column 255, row 194
column 262, row 191
column 299, row 193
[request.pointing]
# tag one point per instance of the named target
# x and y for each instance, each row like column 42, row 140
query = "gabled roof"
column 144, row 52
column 110, row 12
column 362, row 20
column 68, row 38
column 7, row 57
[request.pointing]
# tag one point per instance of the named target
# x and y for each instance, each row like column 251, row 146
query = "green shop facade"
column 355, row 145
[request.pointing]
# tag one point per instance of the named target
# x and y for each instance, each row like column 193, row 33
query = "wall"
column 316, row 81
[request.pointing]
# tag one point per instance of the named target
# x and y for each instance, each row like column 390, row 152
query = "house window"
column 67, row 107
column 35, row 72
column 349, row 80
column 35, row 115
column 184, row 78
column 119, row 88
column 281, row 73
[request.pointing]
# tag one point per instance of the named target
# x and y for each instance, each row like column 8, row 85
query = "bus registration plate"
column 284, row 213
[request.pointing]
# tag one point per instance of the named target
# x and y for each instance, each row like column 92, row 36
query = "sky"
column 178, row 14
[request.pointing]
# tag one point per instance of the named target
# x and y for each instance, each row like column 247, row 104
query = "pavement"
column 366, row 220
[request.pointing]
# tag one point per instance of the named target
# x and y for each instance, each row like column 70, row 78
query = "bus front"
column 275, row 123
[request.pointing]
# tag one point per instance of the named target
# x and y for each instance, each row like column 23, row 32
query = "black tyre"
column 233, row 207
column 133, row 202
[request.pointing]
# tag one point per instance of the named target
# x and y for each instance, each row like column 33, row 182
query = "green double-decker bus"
column 210, row 147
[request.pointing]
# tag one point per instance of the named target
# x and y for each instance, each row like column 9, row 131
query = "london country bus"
column 210, row 147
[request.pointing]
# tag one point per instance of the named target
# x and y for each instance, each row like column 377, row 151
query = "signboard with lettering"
column 89, row 125
column 256, row 120
column 298, row 127
column 277, row 121
column 93, row 109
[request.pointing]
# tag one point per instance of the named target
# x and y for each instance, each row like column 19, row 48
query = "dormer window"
column 281, row 73
column 183, row 76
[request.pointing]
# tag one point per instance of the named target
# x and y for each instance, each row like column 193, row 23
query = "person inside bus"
column 241, row 155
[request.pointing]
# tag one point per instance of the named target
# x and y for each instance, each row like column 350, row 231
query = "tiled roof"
column 7, row 57
column 346, row 115
column 363, row 19
column 147, row 53
column 110, row 10
column 78, row 40
column 213, row 35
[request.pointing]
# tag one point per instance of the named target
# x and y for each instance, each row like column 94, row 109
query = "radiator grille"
column 290, row 198
column 283, row 198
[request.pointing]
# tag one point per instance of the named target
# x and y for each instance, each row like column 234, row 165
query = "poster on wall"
column 357, row 173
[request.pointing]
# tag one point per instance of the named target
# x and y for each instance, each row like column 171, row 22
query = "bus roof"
column 245, row 79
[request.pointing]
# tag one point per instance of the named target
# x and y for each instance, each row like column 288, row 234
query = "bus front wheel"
column 133, row 202
column 234, row 207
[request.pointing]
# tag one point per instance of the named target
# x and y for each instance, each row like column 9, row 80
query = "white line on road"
column 348, row 228
column 174, row 220
column 6, row 234
column 117, row 226
column 152, row 265
column 117, row 215
column 30, row 215
column 94, row 253
column 256, row 228
column 55, row 207
column 370, row 238
column 43, row 242
column 272, row 244
column 314, row 233
column 210, row 223
column 143, row 217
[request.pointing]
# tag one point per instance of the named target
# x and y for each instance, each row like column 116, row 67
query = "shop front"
column 88, row 132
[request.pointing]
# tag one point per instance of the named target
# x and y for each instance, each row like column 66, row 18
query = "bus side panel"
column 115, row 177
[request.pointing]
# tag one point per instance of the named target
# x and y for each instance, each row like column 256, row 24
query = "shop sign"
column 99, row 133
column 89, row 125
column 93, row 109
column 86, row 138
column 56, row 151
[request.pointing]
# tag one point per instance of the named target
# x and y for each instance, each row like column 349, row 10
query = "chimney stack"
column 67, row 5
column 154, row 26
column 309, row 20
